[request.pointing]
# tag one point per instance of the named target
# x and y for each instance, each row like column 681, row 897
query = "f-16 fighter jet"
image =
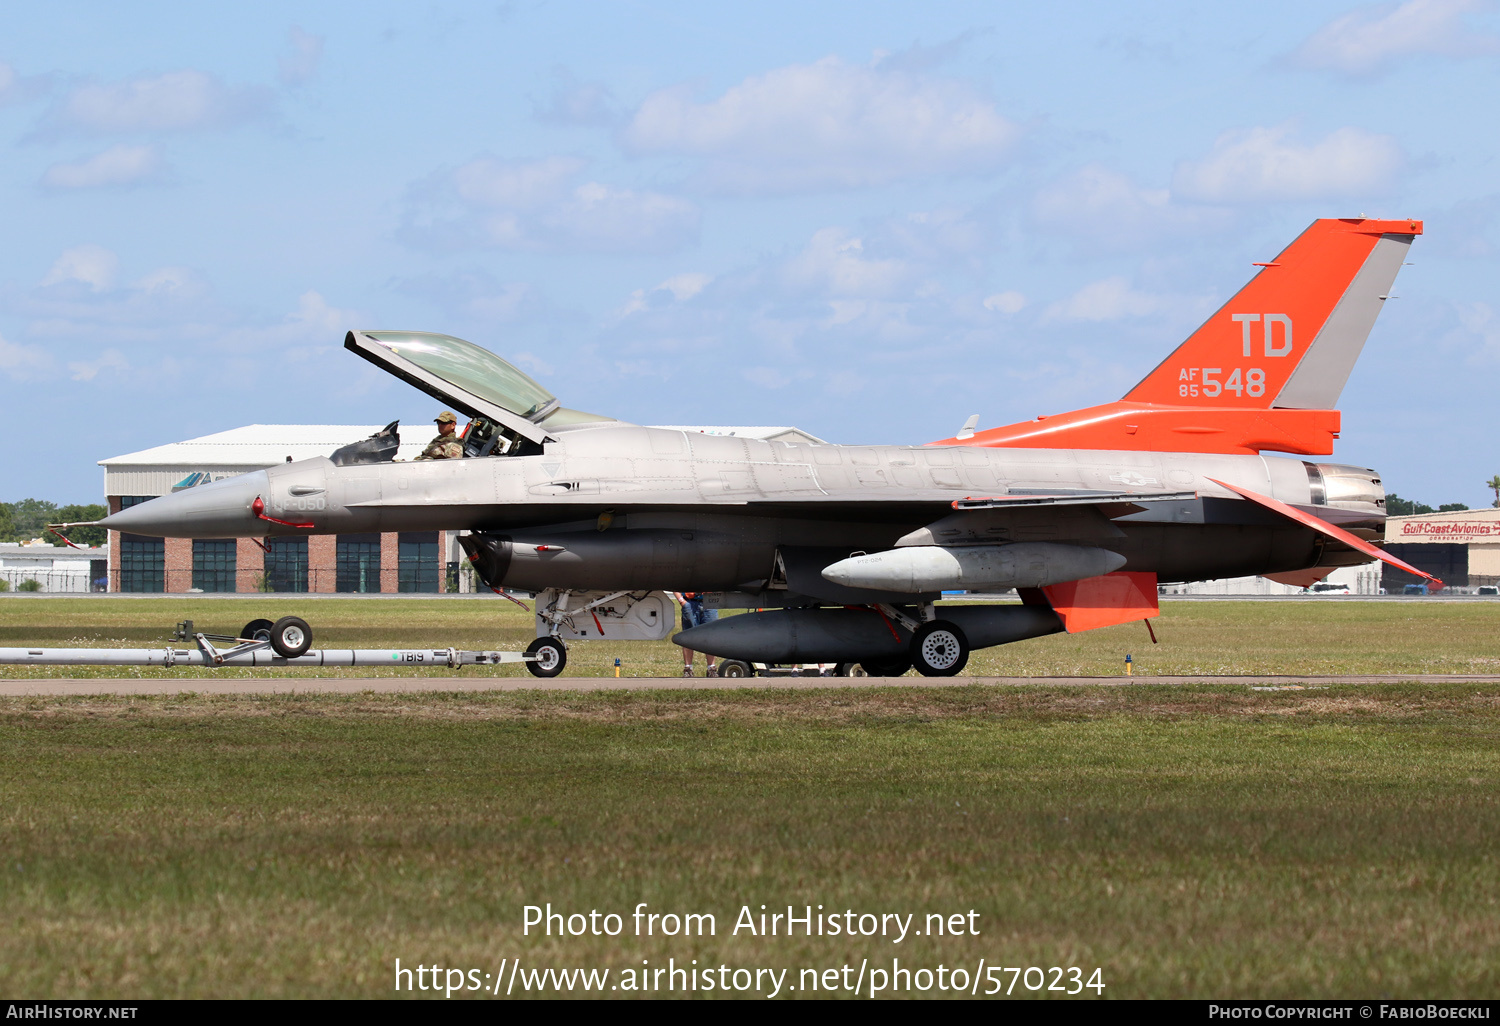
column 845, row 550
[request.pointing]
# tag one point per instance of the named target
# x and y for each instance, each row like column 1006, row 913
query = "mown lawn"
column 1300, row 636
column 1204, row 840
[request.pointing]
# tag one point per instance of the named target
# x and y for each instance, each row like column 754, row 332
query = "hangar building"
column 406, row 561
column 1462, row 548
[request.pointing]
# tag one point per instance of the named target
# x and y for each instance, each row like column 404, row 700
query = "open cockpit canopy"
column 462, row 375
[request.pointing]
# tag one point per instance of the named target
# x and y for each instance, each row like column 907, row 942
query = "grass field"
column 1308, row 636
column 1201, row 840
column 1195, row 841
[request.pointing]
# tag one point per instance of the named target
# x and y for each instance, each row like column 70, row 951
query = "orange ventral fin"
column 1120, row 597
column 1265, row 372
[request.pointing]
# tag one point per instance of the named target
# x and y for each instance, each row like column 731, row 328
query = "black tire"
column 850, row 670
column 256, row 630
column 291, row 637
column 551, row 657
column 885, row 667
column 735, row 668
column 939, row 649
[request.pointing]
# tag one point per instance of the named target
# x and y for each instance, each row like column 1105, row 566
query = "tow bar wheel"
column 551, row 657
column 256, row 630
column 939, row 649
column 291, row 637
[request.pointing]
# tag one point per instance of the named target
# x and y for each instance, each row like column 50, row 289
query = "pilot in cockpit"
column 446, row 446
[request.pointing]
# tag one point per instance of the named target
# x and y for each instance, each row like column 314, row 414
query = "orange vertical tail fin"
column 1290, row 337
column 1265, row 371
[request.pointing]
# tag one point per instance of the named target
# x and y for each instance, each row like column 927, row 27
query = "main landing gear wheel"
column 256, row 630
column 551, row 657
column 290, row 636
column 850, row 670
column 735, row 668
column 885, row 667
column 939, row 649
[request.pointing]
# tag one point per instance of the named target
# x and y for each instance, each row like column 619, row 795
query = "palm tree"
column 1494, row 483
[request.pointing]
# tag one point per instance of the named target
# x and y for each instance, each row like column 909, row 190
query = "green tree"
column 1494, row 483
column 82, row 535
column 1451, row 507
column 1396, row 506
column 30, row 517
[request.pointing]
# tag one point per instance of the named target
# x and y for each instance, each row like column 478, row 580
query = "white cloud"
column 121, row 164
column 1371, row 38
column 1264, row 163
column 541, row 206
column 826, row 125
column 834, row 264
column 1482, row 325
column 172, row 102
column 478, row 293
column 23, row 362
column 679, row 288
column 533, row 363
column 300, row 65
column 88, row 370
column 176, row 282
column 1107, row 208
column 93, row 265
column 314, row 324
column 766, row 377
column 314, row 318
column 1110, row 299
column 572, row 102
column 1005, row 302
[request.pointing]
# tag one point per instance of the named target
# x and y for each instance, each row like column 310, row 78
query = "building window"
column 213, row 564
column 286, row 564
column 417, row 561
column 357, row 558
column 126, row 501
column 143, row 563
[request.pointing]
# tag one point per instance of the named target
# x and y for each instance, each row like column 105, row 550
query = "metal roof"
column 262, row 445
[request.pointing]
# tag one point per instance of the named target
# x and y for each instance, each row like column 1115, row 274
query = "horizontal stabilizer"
column 1323, row 527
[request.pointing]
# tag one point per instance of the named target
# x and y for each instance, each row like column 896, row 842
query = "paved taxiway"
column 42, row 686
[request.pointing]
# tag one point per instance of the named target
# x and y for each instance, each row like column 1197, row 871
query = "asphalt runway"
column 38, row 687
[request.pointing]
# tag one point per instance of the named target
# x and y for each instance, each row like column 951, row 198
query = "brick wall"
column 390, row 551
column 249, row 565
column 322, row 561
column 179, row 563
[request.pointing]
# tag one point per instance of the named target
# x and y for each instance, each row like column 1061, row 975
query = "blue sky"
column 870, row 220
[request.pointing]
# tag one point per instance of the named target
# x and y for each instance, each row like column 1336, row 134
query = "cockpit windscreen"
column 470, row 367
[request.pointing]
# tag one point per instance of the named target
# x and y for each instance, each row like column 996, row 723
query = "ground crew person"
column 446, row 445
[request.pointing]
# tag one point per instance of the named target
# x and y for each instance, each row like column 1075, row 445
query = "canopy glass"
column 474, row 369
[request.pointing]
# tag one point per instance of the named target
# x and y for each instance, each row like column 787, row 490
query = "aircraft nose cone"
column 222, row 509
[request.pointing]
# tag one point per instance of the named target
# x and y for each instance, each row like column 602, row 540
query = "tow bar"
column 252, row 651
